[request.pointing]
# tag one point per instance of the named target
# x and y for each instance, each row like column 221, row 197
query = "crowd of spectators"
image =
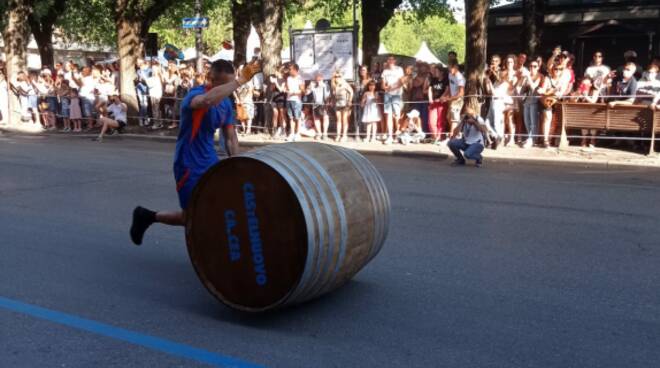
column 74, row 98
column 420, row 103
column 424, row 103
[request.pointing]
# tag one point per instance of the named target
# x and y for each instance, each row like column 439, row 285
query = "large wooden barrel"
column 284, row 224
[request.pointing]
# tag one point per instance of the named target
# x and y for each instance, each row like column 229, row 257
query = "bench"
column 630, row 118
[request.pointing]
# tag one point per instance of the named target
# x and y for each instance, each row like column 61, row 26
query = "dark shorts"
column 320, row 111
column 121, row 123
column 343, row 108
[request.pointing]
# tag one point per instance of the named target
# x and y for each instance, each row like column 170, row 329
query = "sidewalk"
column 601, row 157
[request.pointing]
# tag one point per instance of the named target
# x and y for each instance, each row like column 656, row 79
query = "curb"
column 559, row 161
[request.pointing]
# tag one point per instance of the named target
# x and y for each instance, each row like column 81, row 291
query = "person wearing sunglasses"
column 599, row 73
column 530, row 89
column 554, row 86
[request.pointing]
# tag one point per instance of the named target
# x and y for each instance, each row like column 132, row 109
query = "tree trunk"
column 44, row 39
column 270, row 32
column 129, row 45
column 476, row 20
column 16, row 38
column 370, row 36
column 42, row 30
column 375, row 16
column 241, row 12
column 533, row 21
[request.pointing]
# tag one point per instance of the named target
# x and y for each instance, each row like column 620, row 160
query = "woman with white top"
column 155, row 84
column 343, row 94
column 552, row 90
column 245, row 105
column 511, row 75
column 499, row 90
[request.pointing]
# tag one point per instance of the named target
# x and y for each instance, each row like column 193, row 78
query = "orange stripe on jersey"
column 197, row 117
column 183, row 180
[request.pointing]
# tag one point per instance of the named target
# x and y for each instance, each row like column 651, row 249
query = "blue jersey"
column 195, row 151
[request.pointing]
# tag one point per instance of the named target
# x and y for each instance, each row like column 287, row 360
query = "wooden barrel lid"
column 246, row 234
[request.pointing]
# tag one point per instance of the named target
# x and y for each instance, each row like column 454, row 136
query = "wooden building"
column 582, row 27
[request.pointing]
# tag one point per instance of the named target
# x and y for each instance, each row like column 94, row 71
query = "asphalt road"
column 505, row 266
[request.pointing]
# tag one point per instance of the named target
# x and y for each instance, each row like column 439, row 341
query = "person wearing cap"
column 472, row 131
column 630, row 56
column 113, row 116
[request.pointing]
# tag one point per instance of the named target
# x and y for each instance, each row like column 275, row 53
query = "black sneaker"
column 458, row 163
column 142, row 219
column 478, row 163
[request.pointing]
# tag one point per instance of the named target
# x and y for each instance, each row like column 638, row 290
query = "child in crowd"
column 63, row 93
column 371, row 115
column 75, row 113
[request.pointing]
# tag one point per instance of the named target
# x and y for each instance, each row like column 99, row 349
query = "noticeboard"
column 324, row 53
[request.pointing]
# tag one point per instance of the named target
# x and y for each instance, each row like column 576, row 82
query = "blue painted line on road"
column 169, row 347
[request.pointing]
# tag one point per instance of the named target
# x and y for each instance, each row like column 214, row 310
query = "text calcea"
column 232, row 240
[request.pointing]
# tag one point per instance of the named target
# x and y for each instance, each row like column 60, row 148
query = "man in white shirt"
column 473, row 131
column 71, row 74
column 114, row 117
column 454, row 95
column 393, row 87
column 599, row 73
column 295, row 87
column 87, row 86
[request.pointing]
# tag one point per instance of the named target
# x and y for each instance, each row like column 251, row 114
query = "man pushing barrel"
column 205, row 109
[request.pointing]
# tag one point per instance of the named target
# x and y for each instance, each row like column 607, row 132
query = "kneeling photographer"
column 473, row 133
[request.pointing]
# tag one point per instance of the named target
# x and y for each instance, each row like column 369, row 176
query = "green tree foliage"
column 169, row 25
column 404, row 35
column 89, row 22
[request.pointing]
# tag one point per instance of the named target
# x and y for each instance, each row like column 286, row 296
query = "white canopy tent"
column 286, row 54
column 253, row 42
column 426, row 55
column 223, row 54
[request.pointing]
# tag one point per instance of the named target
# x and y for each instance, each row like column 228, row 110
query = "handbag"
column 548, row 101
column 241, row 113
